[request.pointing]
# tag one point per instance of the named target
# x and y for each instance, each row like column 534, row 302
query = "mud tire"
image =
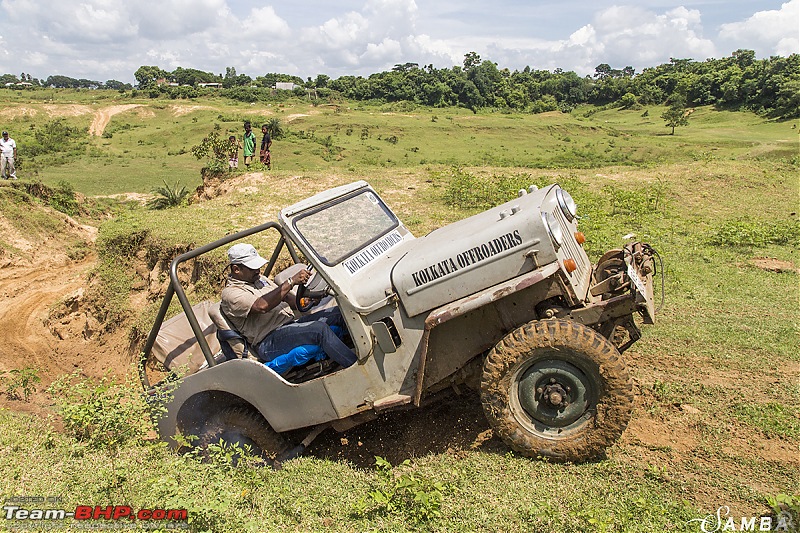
column 529, row 351
column 245, row 426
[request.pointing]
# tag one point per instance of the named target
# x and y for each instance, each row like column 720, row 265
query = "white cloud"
column 766, row 32
column 639, row 37
column 105, row 39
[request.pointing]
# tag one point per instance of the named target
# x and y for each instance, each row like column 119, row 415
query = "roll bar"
column 175, row 287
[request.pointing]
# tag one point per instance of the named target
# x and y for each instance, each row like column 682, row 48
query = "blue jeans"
column 310, row 329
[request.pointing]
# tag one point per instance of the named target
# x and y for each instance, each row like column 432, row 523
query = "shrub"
column 24, row 379
column 104, row 414
column 748, row 232
column 168, row 196
column 408, row 493
column 63, row 199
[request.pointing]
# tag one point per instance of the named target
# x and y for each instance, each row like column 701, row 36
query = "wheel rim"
column 552, row 396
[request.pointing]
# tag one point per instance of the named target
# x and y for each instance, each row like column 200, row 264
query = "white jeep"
column 506, row 301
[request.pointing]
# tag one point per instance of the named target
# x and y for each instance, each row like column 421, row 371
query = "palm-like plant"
column 274, row 128
column 167, row 196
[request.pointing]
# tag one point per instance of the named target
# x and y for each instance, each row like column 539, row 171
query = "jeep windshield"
column 337, row 231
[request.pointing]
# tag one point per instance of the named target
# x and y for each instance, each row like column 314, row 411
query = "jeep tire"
column 245, row 427
column 556, row 389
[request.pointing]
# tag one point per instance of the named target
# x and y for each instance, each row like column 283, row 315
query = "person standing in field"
column 249, row 141
column 233, row 155
column 8, row 153
column 266, row 142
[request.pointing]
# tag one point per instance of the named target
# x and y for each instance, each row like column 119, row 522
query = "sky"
column 109, row 39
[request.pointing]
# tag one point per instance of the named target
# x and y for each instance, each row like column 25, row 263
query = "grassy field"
column 144, row 145
column 717, row 416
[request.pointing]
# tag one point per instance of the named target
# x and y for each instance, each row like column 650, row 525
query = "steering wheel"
column 311, row 293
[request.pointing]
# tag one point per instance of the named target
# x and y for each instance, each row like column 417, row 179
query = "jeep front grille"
column 580, row 278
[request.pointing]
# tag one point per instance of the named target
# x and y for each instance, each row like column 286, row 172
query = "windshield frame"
column 327, row 205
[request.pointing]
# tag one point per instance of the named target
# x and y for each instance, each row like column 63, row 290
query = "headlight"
column 567, row 204
column 553, row 228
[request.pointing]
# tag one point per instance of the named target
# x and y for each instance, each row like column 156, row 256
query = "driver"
column 262, row 311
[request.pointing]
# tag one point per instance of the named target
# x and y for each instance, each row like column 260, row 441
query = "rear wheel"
column 245, row 427
column 557, row 389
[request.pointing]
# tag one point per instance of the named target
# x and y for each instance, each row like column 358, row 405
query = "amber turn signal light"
column 580, row 237
column 570, row 265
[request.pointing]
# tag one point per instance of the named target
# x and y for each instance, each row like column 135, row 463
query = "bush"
column 55, row 136
column 24, row 379
column 409, row 494
column 104, row 414
column 168, row 196
column 63, row 199
column 747, row 232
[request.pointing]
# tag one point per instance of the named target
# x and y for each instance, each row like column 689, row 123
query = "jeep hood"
column 470, row 255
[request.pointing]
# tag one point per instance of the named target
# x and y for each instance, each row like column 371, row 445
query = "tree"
column 117, row 85
column 603, row 70
column 146, row 76
column 676, row 114
column 471, row 59
column 322, row 81
column 274, row 128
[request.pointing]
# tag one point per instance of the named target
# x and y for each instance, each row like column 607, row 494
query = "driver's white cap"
column 245, row 254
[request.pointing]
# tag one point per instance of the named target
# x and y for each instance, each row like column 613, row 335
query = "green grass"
column 716, row 420
column 310, row 494
column 144, row 146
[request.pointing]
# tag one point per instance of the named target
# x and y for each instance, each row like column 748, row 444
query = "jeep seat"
column 235, row 346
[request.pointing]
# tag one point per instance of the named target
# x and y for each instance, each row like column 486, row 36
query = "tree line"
column 768, row 86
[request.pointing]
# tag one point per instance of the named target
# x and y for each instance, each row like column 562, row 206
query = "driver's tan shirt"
column 237, row 300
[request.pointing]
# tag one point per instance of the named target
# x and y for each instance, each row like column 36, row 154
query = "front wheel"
column 556, row 389
column 245, row 427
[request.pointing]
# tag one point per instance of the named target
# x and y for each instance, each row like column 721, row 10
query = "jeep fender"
column 284, row 405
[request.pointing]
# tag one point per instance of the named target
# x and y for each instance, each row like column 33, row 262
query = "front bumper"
column 622, row 286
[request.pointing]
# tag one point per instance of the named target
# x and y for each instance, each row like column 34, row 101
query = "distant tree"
column 405, row 67
column 322, row 81
column 675, row 115
column 62, row 82
column 744, row 58
column 602, row 70
column 192, row 76
column 8, row 78
column 117, row 85
column 471, row 60
column 146, row 76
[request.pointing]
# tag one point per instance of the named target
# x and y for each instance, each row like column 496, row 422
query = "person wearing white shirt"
column 8, row 152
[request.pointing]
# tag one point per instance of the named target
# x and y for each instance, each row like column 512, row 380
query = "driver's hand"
column 301, row 277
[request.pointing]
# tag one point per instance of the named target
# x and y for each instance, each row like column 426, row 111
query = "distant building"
column 213, row 85
column 285, row 86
